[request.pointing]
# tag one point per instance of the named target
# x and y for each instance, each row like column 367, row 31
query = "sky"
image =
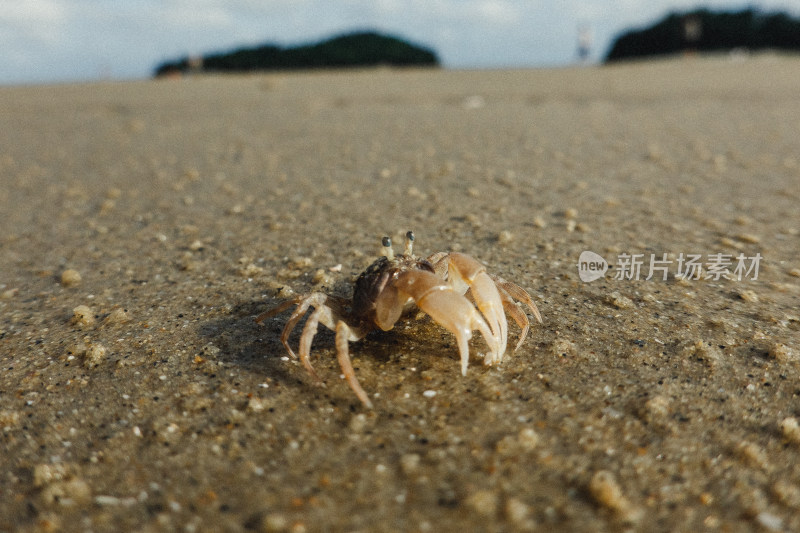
column 56, row 41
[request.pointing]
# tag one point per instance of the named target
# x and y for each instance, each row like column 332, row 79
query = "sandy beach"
column 146, row 223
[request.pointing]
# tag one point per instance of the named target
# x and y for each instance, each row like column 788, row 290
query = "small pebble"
column 754, row 455
column 787, row 493
column 484, row 502
column 473, row 219
column 322, row 278
column 730, row 243
column 517, row 511
column 256, row 405
column 82, row 316
column 769, row 521
column 720, row 163
column 106, row 500
column 117, row 316
column 210, row 350
column 506, row 445
column 275, row 522
column 8, row 419
column 416, row 193
column 706, row 352
column 76, row 349
column 288, row 273
column 525, row 441
column 68, row 493
column 790, row 429
column 654, row 152
column 429, row 393
column 606, row 491
column 749, row 238
column 562, row 347
column 285, row 292
column 409, row 463
column 300, row 262
column 358, row 423
column 107, row 206
column 94, row 356
column 252, row 270
column 656, row 409
column 619, row 301
column 748, row 296
column 505, row 237
column 187, row 262
column 70, row 278
column 751, row 500
column 47, row 473
column 528, row 439
column 781, row 352
column 473, row 102
column 8, row 293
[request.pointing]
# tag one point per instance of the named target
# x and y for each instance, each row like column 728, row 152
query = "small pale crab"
column 395, row 286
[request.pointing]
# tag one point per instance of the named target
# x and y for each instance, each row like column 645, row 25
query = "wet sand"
column 146, row 224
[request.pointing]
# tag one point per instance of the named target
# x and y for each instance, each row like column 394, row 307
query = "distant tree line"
column 351, row 50
column 706, row 31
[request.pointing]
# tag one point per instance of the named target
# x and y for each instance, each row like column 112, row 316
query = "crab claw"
column 466, row 273
column 445, row 305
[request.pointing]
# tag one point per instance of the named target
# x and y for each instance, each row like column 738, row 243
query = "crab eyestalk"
column 409, row 243
column 387, row 248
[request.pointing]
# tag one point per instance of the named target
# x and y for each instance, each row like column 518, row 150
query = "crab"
column 394, row 286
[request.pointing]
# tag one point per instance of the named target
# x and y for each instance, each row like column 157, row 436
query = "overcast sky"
column 68, row 40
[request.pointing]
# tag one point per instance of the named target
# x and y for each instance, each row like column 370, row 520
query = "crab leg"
column 309, row 331
column 516, row 313
column 269, row 313
column 343, row 335
column 297, row 314
column 517, row 292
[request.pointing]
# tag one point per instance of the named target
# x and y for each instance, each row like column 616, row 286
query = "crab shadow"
column 237, row 339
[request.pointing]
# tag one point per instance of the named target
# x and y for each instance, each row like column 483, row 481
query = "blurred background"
column 47, row 41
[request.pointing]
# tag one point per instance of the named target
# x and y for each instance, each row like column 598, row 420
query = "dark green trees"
column 351, row 50
column 707, row 31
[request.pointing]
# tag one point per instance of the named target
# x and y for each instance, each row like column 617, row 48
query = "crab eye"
column 387, row 248
column 409, row 243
